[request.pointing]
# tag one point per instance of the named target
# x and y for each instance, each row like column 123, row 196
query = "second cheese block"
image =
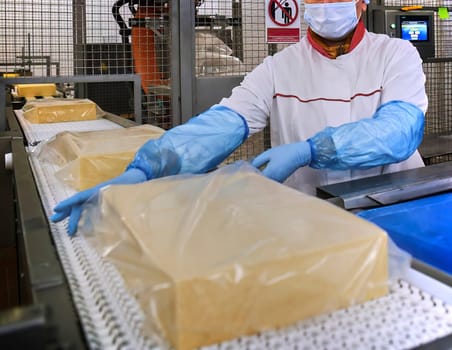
column 91, row 157
column 217, row 256
column 56, row 110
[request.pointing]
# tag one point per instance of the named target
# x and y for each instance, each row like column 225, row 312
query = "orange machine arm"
column 144, row 49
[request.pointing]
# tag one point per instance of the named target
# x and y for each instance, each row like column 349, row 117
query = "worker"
column 343, row 103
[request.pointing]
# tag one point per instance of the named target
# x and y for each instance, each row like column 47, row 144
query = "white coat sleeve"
column 404, row 78
column 253, row 98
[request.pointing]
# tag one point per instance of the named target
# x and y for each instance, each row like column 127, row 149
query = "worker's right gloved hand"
column 283, row 160
column 73, row 206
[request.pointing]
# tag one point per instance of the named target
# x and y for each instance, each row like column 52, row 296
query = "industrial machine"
column 36, row 294
column 68, row 297
column 144, row 26
column 147, row 34
column 416, row 26
column 148, row 30
column 412, row 206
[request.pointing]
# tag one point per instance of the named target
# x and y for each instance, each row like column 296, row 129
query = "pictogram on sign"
column 283, row 12
column 282, row 21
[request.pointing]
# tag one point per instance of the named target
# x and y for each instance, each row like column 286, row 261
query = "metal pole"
column 79, row 43
column 187, row 58
column 175, row 63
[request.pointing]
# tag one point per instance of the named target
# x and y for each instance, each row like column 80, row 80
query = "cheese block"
column 32, row 90
column 56, row 110
column 217, row 256
column 91, row 157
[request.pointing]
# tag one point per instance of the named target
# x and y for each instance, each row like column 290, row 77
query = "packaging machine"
column 68, row 297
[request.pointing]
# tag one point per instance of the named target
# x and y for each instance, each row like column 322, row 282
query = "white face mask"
column 331, row 20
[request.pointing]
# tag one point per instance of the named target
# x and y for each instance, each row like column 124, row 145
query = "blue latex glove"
column 283, row 160
column 73, row 206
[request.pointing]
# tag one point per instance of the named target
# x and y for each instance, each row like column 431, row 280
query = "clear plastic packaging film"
column 56, row 110
column 229, row 253
column 91, row 157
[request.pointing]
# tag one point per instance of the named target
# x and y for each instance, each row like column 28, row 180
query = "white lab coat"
column 302, row 92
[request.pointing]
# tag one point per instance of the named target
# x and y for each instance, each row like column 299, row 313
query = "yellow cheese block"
column 217, row 256
column 89, row 158
column 10, row 75
column 32, row 90
column 91, row 170
column 59, row 110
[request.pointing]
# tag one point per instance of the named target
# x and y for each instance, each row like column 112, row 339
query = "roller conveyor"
column 417, row 311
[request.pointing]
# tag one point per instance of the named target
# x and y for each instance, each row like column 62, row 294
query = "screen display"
column 414, row 29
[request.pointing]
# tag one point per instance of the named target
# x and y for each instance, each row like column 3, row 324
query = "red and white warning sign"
column 282, row 21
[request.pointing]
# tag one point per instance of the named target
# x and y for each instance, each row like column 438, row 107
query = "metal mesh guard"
column 407, row 317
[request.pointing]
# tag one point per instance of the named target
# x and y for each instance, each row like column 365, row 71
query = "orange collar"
column 344, row 47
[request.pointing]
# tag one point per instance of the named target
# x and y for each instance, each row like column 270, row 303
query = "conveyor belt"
column 110, row 318
column 35, row 133
column 408, row 317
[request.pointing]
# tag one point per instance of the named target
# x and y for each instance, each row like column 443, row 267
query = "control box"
column 415, row 26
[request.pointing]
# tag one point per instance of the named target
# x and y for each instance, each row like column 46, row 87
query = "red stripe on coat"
column 359, row 94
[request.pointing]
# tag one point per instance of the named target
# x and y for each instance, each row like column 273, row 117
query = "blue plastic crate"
column 422, row 227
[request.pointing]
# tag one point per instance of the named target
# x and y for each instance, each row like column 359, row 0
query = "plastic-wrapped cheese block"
column 32, row 90
column 216, row 256
column 56, row 110
column 91, row 157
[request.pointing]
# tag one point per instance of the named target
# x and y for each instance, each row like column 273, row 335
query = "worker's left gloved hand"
column 73, row 206
column 283, row 160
